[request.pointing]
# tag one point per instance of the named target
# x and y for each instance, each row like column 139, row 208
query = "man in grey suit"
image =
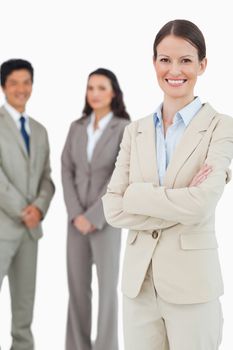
column 26, row 190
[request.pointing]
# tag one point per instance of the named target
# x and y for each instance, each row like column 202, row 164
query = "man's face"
column 18, row 89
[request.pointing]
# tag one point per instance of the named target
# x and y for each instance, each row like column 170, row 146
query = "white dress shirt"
column 16, row 116
column 94, row 135
column 166, row 145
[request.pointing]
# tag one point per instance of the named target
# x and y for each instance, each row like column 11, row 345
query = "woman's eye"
column 164, row 60
column 186, row 60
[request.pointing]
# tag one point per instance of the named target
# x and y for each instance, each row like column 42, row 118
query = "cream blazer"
column 172, row 225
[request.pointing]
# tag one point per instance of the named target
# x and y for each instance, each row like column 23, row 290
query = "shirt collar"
column 103, row 121
column 158, row 115
column 185, row 114
column 14, row 113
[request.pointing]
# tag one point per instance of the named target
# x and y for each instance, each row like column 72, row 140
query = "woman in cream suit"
column 169, row 177
column 88, row 161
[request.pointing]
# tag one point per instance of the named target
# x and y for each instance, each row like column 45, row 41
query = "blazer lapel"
column 83, row 140
column 189, row 142
column 146, row 149
column 34, row 144
column 15, row 131
column 107, row 134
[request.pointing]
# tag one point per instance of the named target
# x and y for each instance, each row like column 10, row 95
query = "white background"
column 65, row 41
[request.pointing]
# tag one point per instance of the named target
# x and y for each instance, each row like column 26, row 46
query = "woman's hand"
column 83, row 225
column 201, row 175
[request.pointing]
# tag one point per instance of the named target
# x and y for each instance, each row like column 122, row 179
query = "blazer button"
column 155, row 234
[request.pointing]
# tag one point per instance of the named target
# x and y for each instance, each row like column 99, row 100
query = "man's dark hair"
column 11, row 65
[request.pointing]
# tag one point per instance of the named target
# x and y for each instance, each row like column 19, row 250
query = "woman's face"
column 177, row 67
column 99, row 92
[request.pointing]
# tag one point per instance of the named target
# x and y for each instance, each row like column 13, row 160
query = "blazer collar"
column 189, row 142
column 34, row 144
column 13, row 128
column 146, row 149
column 34, row 141
column 146, row 145
column 106, row 135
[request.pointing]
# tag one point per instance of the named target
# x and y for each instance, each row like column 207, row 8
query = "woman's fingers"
column 201, row 175
column 205, row 169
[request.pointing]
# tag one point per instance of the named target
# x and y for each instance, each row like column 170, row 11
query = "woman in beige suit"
column 88, row 161
column 169, row 177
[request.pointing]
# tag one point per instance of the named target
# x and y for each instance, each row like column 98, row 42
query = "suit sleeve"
column 113, row 200
column 95, row 213
column 189, row 205
column 12, row 201
column 73, row 205
column 46, row 187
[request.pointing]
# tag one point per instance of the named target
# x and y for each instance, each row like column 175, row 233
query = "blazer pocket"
column 132, row 236
column 198, row 241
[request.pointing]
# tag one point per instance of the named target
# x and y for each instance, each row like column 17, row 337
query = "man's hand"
column 83, row 225
column 31, row 216
column 201, row 175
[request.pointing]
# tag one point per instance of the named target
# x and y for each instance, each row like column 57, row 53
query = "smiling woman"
column 177, row 65
column 178, row 61
column 169, row 176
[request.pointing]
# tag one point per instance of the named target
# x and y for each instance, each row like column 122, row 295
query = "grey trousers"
column 103, row 249
column 18, row 261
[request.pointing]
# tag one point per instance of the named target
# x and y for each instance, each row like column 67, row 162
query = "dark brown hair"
column 183, row 29
column 117, row 104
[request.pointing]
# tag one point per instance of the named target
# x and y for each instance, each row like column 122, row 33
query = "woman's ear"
column 203, row 65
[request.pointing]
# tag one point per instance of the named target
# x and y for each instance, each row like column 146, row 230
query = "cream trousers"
column 151, row 323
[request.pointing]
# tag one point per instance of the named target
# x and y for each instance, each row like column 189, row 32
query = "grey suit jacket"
column 24, row 179
column 84, row 183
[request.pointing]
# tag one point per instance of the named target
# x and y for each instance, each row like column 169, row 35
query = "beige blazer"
column 23, row 179
column 172, row 225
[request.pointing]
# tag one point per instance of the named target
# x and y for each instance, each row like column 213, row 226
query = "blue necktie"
column 24, row 133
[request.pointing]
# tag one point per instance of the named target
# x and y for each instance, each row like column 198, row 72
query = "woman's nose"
column 174, row 69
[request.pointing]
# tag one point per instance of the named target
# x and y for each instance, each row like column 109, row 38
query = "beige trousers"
column 18, row 261
column 151, row 323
